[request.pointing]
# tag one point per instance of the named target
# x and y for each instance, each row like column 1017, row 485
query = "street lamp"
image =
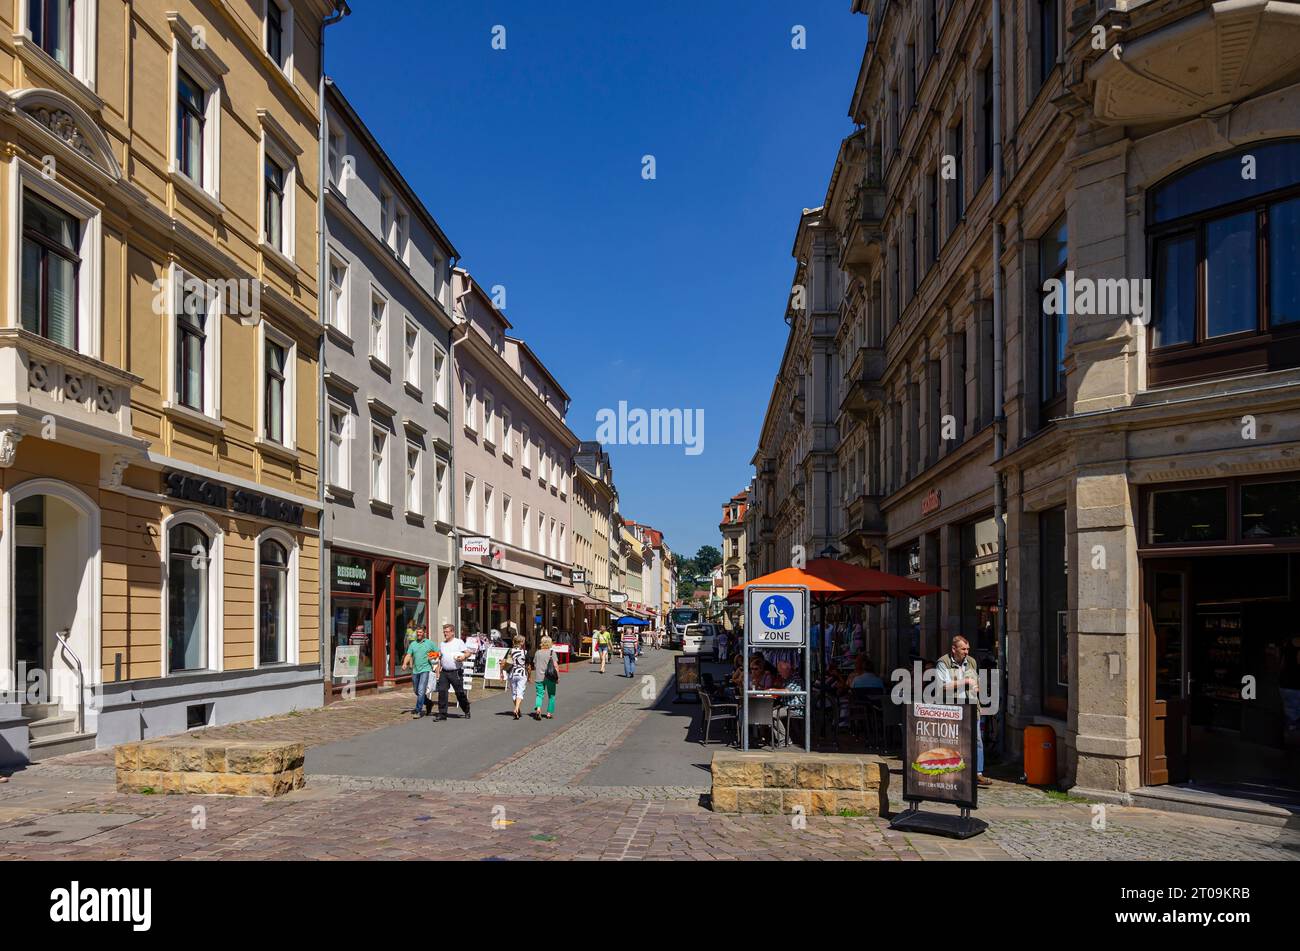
column 830, row 551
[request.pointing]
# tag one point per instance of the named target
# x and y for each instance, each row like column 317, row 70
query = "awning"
column 524, row 581
column 592, row 604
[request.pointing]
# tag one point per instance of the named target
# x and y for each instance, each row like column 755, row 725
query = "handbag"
column 551, row 672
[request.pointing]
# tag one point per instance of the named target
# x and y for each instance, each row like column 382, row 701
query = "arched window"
column 1224, row 237
column 273, row 603
column 188, row 564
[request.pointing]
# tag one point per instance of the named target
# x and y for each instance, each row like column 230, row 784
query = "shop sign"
column 939, row 753
column 776, row 616
column 351, row 574
column 617, row 597
column 193, row 489
column 347, row 662
column 579, row 575
column 553, row 574
column 475, row 546
column 410, row 581
column 932, row 502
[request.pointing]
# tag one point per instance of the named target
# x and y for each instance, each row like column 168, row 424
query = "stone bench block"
column 767, row 782
column 210, row 767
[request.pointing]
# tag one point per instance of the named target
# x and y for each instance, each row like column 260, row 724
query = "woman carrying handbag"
column 546, row 677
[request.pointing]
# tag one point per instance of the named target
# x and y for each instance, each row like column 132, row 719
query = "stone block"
column 731, row 768
column 779, row 774
column 875, row 775
column 214, row 759
column 724, row 799
column 821, row 802
column 260, row 785
column 155, row 758
column 187, row 759
column 765, row 802
column 856, row 801
column 844, row 774
column 796, row 799
column 811, row 774
column 127, row 757
column 138, row 781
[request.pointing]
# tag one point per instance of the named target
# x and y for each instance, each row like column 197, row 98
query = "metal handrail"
column 62, row 637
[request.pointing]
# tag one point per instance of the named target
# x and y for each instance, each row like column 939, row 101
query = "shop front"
column 376, row 606
column 1220, row 681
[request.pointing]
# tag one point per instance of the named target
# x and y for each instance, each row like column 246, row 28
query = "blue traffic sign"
column 776, row 612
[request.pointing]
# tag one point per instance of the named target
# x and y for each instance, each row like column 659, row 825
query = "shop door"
column 383, row 623
column 1165, row 680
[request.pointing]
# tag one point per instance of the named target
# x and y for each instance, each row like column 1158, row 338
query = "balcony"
column 1195, row 64
column 864, row 394
column 87, row 401
column 863, row 235
column 864, row 523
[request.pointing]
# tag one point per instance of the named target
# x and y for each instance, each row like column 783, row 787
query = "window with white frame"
column 379, row 440
column 552, row 549
column 336, row 158
column 555, row 471
column 279, row 178
column 507, row 434
column 403, row 235
column 471, row 512
column 470, row 405
column 439, row 376
column 507, row 525
column 192, row 600
column 564, row 543
column 489, row 515
column 386, row 233
column 337, row 308
column 196, row 346
column 526, row 441
column 65, row 30
column 541, row 534
column 276, row 598
column 489, row 419
column 338, row 463
column 196, row 112
column 57, row 260
column 411, row 348
column 277, row 34
column 279, row 356
column 378, row 326
column 525, row 526
column 441, row 491
column 542, row 459
column 413, row 466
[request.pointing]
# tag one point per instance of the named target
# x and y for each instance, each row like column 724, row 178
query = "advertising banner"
column 347, row 662
column 493, row 672
column 939, row 753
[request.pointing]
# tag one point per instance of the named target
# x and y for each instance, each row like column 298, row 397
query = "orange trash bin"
column 1040, row 755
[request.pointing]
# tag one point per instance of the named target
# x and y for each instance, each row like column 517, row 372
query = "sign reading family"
column 776, row 616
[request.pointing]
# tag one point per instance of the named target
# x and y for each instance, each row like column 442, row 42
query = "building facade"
column 1107, row 347
column 514, row 471
column 159, row 536
column 387, row 372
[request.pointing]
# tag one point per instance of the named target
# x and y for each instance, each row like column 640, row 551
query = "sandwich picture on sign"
column 939, row 760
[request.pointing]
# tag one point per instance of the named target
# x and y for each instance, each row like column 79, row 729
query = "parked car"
column 698, row 639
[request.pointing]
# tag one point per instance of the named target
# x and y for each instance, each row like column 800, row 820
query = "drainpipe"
column 341, row 10
column 461, row 326
column 999, row 408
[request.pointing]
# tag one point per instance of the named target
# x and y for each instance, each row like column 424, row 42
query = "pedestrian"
column 720, row 647
column 546, row 677
column 450, row 671
column 419, row 654
column 603, row 641
column 631, row 644
column 516, row 665
column 959, row 673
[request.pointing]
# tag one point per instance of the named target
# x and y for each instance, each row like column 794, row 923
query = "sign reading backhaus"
column 939, row 753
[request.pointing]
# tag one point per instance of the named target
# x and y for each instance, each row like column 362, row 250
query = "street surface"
column 619, row 775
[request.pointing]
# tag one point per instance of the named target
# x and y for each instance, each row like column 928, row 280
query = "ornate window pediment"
column 67, row 122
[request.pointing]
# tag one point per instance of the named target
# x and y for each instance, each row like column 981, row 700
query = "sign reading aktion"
column 776, row 616
column 939, row 753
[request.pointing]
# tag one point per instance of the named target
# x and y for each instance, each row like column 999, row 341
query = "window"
column 51, row 263
column 403, row 236
column 471, row 515
column 279, row 34
column 1053, row 252
column 411, row 350
column 527, row 443
column 470, row 405
column 50, row 23
column 932, row 197
column 543, row 459
column 272, row 603
column 196, row 114
column 1047, row 43
column 1270, row 510
column 525, row 526
column 439, row 376
column 986, row 118
column 386, row 233
column 196, row 349
column 441, row 489
column 564, row 545
column 191, row 117
column 957, row 139
column 1223, row 248
column 413, row 464
column 507, row 434
column 489, row 514
column 337, row 152
column 911, row 75
column 1187, row 516
column 274, row 368
column 277, row 228
column 378, row 326
column 337, row 312
column 379, row 465
column 489, row 420
column 339, row 469
column 193, row 560
column 894, row 112
column 507, row 528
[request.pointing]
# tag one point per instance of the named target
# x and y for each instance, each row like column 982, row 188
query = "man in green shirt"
column 420, row 653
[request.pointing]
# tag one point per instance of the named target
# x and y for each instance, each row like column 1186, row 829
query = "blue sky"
column 666, row 293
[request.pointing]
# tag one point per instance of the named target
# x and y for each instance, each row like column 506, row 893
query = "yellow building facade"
column 159, row 382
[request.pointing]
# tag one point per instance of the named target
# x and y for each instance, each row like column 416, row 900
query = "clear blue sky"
column 667, row 293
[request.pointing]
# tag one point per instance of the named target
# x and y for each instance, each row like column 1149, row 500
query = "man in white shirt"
column 450, row 672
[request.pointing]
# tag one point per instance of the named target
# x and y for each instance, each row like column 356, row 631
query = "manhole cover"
column 65, row 827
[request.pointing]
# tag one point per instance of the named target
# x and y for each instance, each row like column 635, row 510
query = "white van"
column 698, row 639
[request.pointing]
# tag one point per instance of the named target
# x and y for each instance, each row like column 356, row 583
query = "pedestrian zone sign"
column 776, row 616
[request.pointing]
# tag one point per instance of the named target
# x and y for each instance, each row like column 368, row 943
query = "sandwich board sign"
column 939, row 749
column 494, row 673
column 776, row 619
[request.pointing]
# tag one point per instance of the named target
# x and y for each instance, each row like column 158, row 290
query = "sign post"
column 776, row 617
column 939, row 766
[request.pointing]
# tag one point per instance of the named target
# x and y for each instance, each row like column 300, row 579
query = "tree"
column 706, row 559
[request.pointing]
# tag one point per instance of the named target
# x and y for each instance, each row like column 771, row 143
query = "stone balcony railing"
column 87, row 401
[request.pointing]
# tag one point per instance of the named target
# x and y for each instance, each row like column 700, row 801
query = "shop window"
column 1187, row 516
column 1270, row 510
column 352, row 612
column 273, row 603
column 1223, row 249
column 192, row 592
column 979, row 585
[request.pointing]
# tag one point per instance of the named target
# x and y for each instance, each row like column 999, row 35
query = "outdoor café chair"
column 716, row 711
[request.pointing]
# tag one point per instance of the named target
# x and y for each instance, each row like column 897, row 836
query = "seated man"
column 864, row 675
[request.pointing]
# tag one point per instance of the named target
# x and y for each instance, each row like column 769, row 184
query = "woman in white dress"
column 517, row 672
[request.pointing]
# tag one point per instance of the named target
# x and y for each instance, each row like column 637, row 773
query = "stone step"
column 1215, row 805
column 53, row 726
column 40, row 711
column 59, row 745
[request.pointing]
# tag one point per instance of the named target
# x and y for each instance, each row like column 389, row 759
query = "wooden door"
column 1165, row 679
